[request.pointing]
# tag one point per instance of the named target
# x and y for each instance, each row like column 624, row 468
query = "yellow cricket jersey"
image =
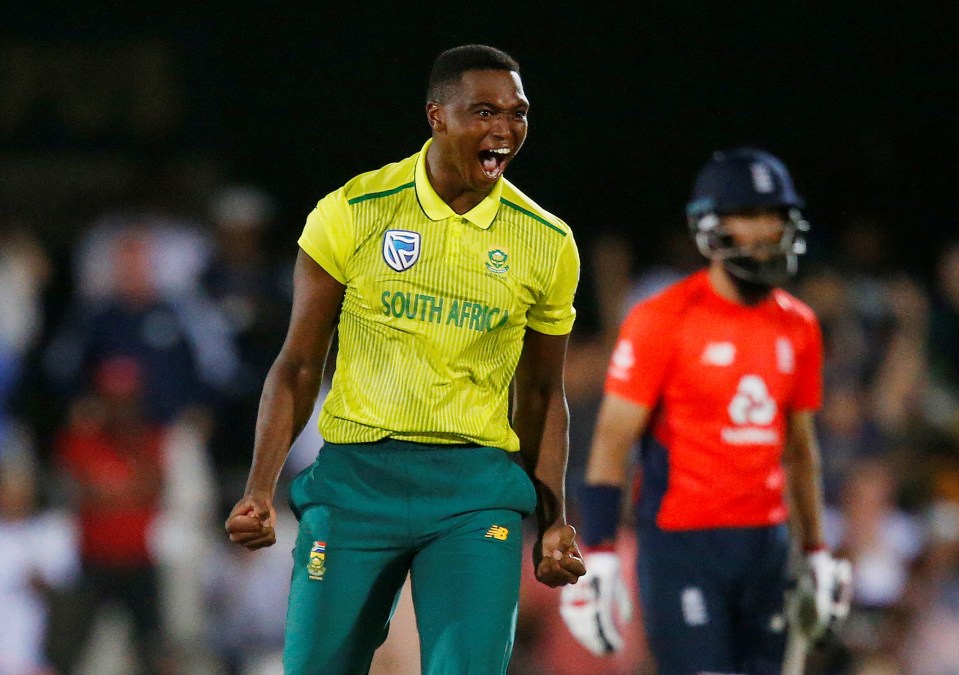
column 436, row 304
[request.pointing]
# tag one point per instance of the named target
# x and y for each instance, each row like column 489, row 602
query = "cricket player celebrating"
column 445, row 284
column 718, row 378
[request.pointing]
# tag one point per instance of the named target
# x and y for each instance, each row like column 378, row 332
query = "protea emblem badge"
column 496, row 261
column 401, row 249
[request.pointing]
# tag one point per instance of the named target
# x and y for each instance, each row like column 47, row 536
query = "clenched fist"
column 561, row 562
column 250, row 523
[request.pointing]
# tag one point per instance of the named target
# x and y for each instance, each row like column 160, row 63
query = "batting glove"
column 823, row 595
column 588, row 606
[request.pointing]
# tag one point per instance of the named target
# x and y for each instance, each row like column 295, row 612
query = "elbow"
column 547, row 390
column 296, row 371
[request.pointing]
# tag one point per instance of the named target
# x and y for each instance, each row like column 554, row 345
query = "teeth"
column 500, row 151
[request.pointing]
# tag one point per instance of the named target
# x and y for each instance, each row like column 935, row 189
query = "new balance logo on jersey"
column 622, row 360
column 401, row 249
column 752, row 410
column 719, row 354
column 497, row 532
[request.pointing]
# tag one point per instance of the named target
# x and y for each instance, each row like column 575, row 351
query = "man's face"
column 756, row 233
column 481, row 125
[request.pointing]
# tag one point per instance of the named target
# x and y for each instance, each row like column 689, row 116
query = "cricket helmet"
column 745, row 180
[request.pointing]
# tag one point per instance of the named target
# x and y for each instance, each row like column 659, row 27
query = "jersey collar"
column 435, row 208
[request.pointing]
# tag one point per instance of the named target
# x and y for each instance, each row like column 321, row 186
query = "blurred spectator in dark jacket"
column 251, row 288
column 851, row 352
column 179, row 252
column 187, row 357
column 847, row 436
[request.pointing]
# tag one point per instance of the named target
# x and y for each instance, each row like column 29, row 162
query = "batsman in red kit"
column 718, row 378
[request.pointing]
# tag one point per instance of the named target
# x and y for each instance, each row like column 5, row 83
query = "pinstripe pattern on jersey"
column 411, row 364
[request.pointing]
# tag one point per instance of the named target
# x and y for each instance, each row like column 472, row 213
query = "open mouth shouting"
column 494, row 161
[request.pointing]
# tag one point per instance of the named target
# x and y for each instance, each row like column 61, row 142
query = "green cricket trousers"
column 369, row 513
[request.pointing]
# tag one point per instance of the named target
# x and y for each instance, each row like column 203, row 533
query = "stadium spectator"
column 181, row 342
column 882, row 542
column 246, row 599
column 902, row 374
column 847, row 435
column 39, row 549
column 110, row 453
column 179, row 251
column 851, row 346
column 932, row 607
column 251, row 291
column 942, row 406
column 24, row 271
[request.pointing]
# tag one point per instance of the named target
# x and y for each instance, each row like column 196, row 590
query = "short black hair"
column 451, row 64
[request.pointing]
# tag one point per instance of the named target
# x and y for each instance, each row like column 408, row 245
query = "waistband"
column 405, row 446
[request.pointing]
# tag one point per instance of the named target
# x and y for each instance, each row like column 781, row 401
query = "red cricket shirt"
column 721, row 379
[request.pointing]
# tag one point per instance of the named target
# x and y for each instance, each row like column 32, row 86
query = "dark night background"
column 140, row 113
column 153, row 104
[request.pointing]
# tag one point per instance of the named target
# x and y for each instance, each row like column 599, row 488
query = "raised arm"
column 541, row 420
column 289, row 394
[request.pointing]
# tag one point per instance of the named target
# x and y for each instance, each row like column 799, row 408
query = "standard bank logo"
column 401, row 249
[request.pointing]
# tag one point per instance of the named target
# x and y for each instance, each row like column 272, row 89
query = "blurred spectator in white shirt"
column 39, row 550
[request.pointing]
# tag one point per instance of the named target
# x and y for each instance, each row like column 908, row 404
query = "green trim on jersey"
column 377, row 195
column 531, row 215
column 436, row 304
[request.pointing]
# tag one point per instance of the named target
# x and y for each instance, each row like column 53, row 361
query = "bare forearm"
column 289, row 394
column 619, row 425
column 542, row 423
column 806, row 499
column 805, row 479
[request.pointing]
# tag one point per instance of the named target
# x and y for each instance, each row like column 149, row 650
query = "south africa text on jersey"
column 446, row 311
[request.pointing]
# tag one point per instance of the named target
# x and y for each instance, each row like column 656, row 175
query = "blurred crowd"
column 130, row 380
column 888, row 430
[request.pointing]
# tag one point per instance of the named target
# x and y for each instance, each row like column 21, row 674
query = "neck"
column 449, row 184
